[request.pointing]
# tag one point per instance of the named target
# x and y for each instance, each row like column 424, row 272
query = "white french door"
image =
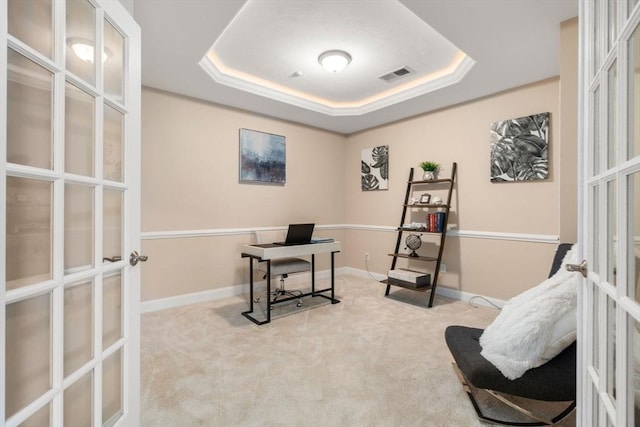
column 70, row 183
column 609, row 336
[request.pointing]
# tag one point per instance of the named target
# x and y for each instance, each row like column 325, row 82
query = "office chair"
column 281, row 267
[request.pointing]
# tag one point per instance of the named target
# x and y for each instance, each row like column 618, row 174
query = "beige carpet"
column 367, row 361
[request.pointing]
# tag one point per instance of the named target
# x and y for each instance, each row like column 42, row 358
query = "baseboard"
column 193, row 298
column 466, row 296
column 441, row 290
column 231, row 291
column 227, row 292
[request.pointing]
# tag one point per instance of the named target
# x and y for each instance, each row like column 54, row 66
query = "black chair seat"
column 553, row 381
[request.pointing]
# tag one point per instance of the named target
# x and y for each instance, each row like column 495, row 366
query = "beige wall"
column 190, row 182
column 461, row 134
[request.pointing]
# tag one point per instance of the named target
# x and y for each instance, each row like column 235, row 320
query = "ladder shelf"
column 444, row 185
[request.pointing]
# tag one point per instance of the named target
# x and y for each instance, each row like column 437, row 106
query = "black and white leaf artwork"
column 520, row 149
column 370, row 182
column 364, row 168
column 374, row 168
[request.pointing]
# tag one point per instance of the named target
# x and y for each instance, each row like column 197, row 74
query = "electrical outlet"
column 366, row 256
column 443, row 268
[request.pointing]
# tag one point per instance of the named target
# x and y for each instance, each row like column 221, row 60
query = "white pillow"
column 564, row 332
column 534, row 326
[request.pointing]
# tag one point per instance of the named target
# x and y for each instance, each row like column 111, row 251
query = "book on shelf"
column 411, row 277
column 434, row 222
column 440, row 222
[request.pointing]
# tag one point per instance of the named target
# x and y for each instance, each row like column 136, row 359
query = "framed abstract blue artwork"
column 262, row 157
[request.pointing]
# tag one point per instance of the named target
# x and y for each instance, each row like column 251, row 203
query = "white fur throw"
column 534, row 326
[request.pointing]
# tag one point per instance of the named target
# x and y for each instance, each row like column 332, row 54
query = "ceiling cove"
column 272, row 49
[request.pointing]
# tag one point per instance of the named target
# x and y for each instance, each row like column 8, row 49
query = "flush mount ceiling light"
column 334, row 61
column 83, row 49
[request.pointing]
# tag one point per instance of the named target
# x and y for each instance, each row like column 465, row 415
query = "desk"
column 270, row 251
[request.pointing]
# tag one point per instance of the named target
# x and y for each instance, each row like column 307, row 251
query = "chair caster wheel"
column 299, row 304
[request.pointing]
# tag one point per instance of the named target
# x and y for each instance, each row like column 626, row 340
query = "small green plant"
column 430, row 166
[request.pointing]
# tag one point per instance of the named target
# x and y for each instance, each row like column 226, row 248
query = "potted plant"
column 430, row 170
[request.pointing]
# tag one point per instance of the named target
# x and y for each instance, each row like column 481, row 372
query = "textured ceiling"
column 246, row 54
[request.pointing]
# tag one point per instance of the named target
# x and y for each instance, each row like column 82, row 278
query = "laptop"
column 298, row 234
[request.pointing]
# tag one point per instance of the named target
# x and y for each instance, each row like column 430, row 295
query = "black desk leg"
column 249, row 314
column 313, row 274
column 250, row 284
column 333, row 279
column 268, row 290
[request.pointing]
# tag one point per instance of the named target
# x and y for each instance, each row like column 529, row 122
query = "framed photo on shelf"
column 425, row 198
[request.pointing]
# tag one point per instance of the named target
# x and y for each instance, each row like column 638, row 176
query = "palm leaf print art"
column 374, row 168
column 520, row 149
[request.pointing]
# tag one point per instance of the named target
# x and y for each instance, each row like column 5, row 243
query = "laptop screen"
column 299, row 234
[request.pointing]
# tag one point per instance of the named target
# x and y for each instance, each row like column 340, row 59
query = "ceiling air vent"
column 394, row 75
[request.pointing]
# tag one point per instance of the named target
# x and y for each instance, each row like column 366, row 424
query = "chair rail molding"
column 491, row 235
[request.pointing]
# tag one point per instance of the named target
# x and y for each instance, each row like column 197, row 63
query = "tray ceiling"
column 262, row 55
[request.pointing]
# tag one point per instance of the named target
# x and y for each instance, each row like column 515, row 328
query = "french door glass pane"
column 78, row 228
column 114, row 65
column 81, row 39
column 634, row 354
column 611, row 232
column 78, row 326
column 79, row 131
column 113, row 144
column 595, row 329
column 633, row 114
column 112, row 309
column 112, row 389
column 29, row 112
column 594, row 226
column 612, row 136
column 31, row 21
column 112, row 235
column 29, row 217
column 28, row 355
column 611, row 348
column 633, row 237
column 595, row 399
column 42, row 418
column 595, row 134
column 612, row 24
column 632, row 4
column 595, row 35
column 78, row 402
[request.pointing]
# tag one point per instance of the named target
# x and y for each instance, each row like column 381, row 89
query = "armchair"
column 553, row 381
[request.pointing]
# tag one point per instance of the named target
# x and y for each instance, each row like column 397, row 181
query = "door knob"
column 135, row 257
column 580, row 268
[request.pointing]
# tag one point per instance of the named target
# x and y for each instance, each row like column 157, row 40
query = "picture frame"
column 374, row 168
column 425, row 199
column 262, row 157
column 520, row 149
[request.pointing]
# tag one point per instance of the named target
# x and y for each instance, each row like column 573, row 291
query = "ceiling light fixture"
column 83, row 49
column 334, row 61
